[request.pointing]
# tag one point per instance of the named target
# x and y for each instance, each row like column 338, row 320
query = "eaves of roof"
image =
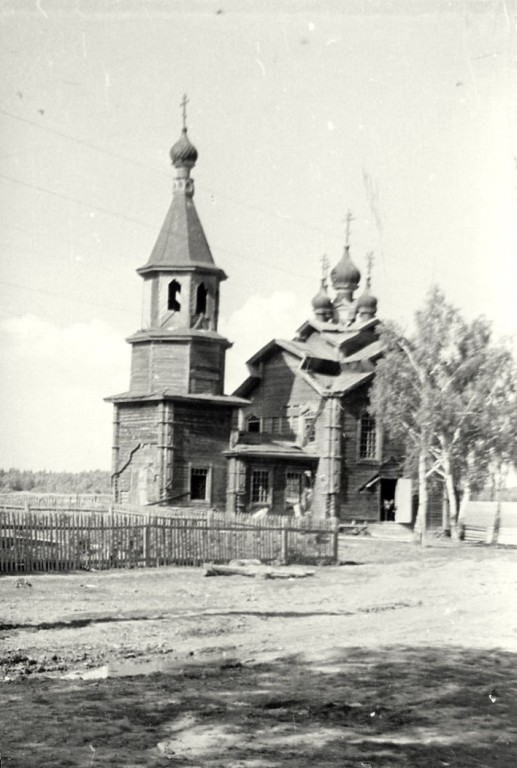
column 273, row 449
column 167, row 394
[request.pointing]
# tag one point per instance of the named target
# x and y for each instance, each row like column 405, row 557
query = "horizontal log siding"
column 356, row 505
column 138, row 426
column 170, row 364
column 207, row 367
column 200, row 434
column 140, row 366
column 280, row 387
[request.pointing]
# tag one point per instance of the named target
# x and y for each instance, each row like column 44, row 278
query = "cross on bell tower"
column 183, row 105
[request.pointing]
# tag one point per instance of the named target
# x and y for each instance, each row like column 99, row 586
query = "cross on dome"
column 369, row 267
column 183, row 105
column 183, row 153
column 349, row 218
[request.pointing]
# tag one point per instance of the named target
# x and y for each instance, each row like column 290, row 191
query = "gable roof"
column 327, row 349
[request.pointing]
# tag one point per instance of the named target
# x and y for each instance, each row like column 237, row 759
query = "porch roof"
column 274, row 449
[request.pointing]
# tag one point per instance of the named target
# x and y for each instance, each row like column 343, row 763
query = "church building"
column 307, row 439
column 296, row 437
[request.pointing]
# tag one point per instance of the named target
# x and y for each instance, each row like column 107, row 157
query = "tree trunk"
column 497, row 517
column 421, row 516
column 451, row 495
column 465, row 498
column 446, row 512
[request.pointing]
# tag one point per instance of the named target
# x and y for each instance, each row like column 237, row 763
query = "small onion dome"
column 345, row 274
column 322, row 301
column 183, row 152
column 367, row 304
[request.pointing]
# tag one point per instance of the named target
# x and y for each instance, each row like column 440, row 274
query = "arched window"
column 201, row 295
column 172, row 296
column 252, row 423
column 367, row 437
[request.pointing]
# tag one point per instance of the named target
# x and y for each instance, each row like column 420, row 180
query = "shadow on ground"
column 400, row 707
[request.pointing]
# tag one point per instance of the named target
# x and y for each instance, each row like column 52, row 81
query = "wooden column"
column 333, row 458
column 164, row 448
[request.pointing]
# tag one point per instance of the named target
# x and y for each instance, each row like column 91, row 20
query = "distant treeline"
column 95, row 481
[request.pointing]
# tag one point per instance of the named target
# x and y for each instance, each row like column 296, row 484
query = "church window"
column 201, row 295
column 293, row 487
column 260, row 486
column 252, row 423
column 367, row 437
column 172, row 296
column 200, row 484
column 310, row 426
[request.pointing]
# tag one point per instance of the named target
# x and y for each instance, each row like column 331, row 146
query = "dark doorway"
column 387, row 500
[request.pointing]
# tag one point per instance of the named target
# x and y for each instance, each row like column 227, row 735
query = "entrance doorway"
column 387, row 500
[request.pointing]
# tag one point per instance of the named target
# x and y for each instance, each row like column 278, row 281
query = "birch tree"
column 448, row 391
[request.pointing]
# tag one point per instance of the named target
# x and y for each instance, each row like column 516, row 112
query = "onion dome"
column 367, row 302
column 345, row 275
column 183, row 152
column 322, row 301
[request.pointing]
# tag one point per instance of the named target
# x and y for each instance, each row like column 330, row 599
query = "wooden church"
column 296, row 437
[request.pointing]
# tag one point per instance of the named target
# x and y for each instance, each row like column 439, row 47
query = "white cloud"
column 260, row 319
column 54, row 379
column 52, row 389
column 30, row 337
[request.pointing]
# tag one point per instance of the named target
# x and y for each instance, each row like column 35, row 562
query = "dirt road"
column 401, row 656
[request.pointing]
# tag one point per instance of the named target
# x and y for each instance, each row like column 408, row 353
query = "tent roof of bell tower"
column 182, row 241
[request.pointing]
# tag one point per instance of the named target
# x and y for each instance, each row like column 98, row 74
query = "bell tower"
column 178, row 346
column 171, row 428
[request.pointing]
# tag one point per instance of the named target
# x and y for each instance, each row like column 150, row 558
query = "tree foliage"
column 95, row 481
column 448, row 391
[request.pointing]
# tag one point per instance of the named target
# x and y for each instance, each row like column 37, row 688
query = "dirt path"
column 266, row 673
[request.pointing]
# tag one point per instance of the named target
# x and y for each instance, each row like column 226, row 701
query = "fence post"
column 283, row 543
column 335, row 541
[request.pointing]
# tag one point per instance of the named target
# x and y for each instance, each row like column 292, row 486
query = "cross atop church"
column 183, row 105
column 348, row 220
column 324, row 268
column 369, row 267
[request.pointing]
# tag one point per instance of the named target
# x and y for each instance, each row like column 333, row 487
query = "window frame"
column 267, row 472
column 364, row 438
column 309, row 425
column 253, row 419
column 193, row 467
column 299, row 473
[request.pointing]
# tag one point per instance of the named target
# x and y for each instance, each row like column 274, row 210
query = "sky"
column 401, row 111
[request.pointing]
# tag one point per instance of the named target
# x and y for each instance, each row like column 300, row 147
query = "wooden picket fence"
column 38, row 540
column 490, row 522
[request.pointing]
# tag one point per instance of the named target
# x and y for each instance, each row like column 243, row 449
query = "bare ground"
column 400, row 657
